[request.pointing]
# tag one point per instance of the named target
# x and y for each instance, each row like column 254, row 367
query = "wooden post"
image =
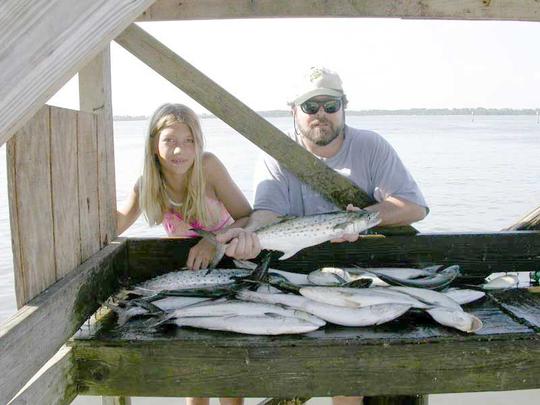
column 95, row 96
column 45, row 42
column 529, row 222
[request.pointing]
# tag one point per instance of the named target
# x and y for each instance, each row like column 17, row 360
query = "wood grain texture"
column 95, row 96
column 37, row 331
column 477, row 254
column 88, row 185
column 65, row 190
column 53, row 384
column 45, row 42
column 522, row 10
column 523, row 305
column 529, row 222
column 200, row 363
column 336, row 188
column 32, row 234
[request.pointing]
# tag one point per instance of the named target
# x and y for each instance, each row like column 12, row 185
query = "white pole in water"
column 537, row 117
column 472, row 116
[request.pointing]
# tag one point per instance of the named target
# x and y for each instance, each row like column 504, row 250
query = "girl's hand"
column 201, row 255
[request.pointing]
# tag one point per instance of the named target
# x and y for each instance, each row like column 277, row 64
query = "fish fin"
column 342, row 225
column 220, row 247
column 289, row 253
column 283, row 218
column 153, row 309
column 244, row 264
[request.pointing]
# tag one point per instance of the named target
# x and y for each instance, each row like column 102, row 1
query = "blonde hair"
column 153, row 197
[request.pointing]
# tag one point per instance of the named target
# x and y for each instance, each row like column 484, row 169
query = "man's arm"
column 395, row 211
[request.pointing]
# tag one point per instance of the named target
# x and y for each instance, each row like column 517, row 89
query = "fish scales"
column 294, row 234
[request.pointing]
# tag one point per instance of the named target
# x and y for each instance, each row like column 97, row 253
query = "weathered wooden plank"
column 521, row 304
column 64, row 190
column 88, row 184
column 115, row 401
column 221, row 364
column 333, row 186
column 53, row 384
column 29, row 177
column 284, row 401
column 45, row 42
column 397, row 400
column 478, row 254
column 95, row 96
column 163, row 10
column 56, row 314
column 529, row 222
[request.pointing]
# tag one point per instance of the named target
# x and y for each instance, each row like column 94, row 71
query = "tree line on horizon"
column 408, row 111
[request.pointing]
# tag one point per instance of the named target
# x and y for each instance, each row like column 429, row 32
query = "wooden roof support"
column 335, row 187
column 56, row 313
column 53, row 384
column 522, row 10
column 530, row 222
column 45, row 42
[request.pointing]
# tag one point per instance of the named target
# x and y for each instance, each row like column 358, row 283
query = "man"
column 318, row 111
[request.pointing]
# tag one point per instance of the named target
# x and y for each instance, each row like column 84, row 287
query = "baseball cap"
column 319, row 81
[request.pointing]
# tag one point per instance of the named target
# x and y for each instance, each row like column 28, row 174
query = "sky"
column 384, row 63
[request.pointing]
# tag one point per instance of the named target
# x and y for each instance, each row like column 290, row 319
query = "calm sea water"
column 479, row 175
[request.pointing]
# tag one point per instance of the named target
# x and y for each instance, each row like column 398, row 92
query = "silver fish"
column 269, row 324
column 336, row 276
column 464, row 296
column 436, row 281
column 431, row 297
column 456, row 319
column 133, row 308
column 359, row 297
column 292, row 234
column 189, row 279
column 502, row 282
column 295, row 278
column 237, row 307
column 366, row 316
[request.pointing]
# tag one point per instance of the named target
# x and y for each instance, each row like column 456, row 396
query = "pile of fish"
column 265, row 301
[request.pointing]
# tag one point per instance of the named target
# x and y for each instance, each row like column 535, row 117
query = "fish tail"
column 220, row 247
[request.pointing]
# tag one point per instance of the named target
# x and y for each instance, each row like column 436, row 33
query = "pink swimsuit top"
column 175, row 225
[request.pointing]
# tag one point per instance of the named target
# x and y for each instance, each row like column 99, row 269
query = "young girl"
column 183, row 187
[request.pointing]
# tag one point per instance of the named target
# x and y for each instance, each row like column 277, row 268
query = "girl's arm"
column 130, row 211
column 226, row 190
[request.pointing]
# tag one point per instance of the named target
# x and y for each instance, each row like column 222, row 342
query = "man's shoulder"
column 363, row 137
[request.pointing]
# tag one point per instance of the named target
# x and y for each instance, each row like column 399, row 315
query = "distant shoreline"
column 410, row 111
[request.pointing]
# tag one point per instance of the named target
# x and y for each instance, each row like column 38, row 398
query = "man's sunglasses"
column 329, row 106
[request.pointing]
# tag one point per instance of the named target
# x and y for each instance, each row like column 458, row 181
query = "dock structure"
column 68, row 260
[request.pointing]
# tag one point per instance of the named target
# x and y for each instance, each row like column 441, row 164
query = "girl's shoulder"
column 212, row 166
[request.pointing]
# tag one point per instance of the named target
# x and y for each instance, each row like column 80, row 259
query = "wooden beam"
column 477, row 254
column 336, row 188
column 29, row 186
column 53, row 384
column 529, row 222
column 45, row 42
column 34, row 334
column 95, row 96
column 519, row 10
column 212, row 364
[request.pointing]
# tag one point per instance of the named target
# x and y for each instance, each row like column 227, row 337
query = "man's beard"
column 322, row 136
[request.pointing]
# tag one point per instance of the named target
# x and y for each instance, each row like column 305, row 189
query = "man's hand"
column 201, row 255
column 242, row 244
column 348, row 237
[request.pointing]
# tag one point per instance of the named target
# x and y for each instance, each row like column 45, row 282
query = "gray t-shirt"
column 365, row 157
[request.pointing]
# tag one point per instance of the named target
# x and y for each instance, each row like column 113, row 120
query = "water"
column 476, row 176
